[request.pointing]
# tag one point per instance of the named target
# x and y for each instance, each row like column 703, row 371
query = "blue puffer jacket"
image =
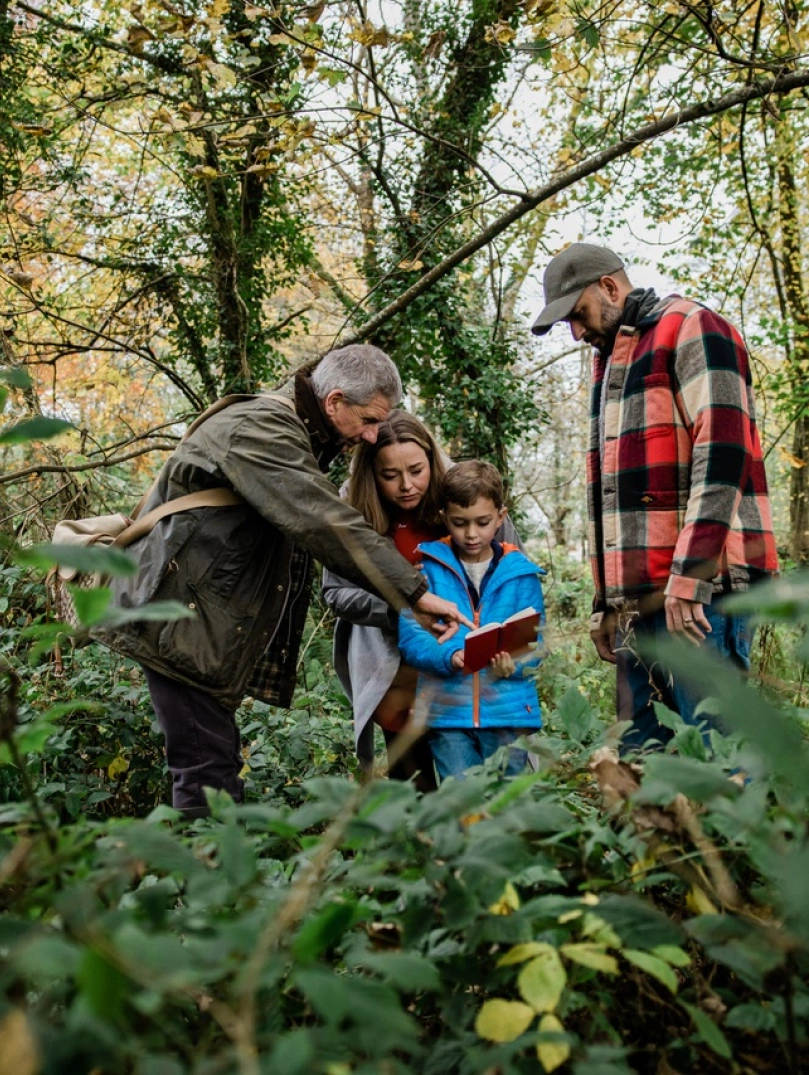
column 451, row 699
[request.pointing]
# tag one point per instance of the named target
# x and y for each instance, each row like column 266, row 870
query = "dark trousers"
column 203, row 747
column 640, row 683
column 415, row 763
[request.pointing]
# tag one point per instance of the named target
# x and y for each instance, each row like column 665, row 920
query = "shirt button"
column 191, row 604
column 279, row 588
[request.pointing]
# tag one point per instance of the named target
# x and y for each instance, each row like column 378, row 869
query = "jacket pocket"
column 211, row 648
column 658, row 406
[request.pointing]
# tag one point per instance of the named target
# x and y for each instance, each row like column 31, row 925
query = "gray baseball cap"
column 567, row 275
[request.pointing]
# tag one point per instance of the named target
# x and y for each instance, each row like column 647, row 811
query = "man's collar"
column 326, row 443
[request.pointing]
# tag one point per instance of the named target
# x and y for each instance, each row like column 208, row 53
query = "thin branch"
column 79, row 468
column 531, row 200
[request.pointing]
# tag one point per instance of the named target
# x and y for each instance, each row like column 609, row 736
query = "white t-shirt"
column 477, row 571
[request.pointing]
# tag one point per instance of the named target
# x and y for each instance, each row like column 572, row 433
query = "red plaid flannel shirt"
column 678, row 504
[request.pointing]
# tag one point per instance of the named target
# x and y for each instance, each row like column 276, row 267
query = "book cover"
column 517, row 633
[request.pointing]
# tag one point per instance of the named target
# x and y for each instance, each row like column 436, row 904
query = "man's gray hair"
column 360, row 371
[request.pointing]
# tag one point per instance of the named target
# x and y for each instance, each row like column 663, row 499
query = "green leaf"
column 542, row 981
column 293, row 1054
column 781, row 600
column 753, row 1017
column 320, row 932
column 652, row 965
column 503, row 1020
column 407, row 971
column 102, row 985
column 237, row 855
column 90, row 604
column 87, row 560
column 331, row 75
column 17, row 377
column 591, row 955
column 39, row 428
column 576, row 715
column 666, row 776
column 156, row 612
column 708, row 1031
column 672, row 954
column 638, row 923
column 28, row 738
column 554, row 1052
column 520, row 953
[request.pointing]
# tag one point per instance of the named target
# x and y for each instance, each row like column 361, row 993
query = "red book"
column 517, row 633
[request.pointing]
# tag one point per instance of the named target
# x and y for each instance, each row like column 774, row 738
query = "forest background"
column 197, row 197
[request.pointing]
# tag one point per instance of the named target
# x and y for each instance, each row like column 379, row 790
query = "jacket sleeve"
column 711, row 369
column 423, row 651
column 267, row 458
column 352, row 603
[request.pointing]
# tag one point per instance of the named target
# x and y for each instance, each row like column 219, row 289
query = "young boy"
column 471, row 716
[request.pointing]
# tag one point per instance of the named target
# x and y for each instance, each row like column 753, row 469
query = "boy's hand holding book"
column 486, row 645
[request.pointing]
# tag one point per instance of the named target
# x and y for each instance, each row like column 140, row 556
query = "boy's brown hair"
column 464, row 483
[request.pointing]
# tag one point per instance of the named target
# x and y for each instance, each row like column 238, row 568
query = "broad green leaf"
column 102, row 985
column 78, row 705
column 779, row 599
column 87, row 560
column 708, row 1031
column 672, row 954
column 503, row 1020
column 90, row 604
column 322, row 931
column 407, row 971
column 542, row 981
column 28, row 738
column 552, row 1054
column 576, row 714
column 597, row 929
column 39, row 428
column 591, row 955
column 156, row 611
column 16, row 377
column 652, row 965
column 521, row 952
column 637, row 923
column 753, row 1017
column 666, row 776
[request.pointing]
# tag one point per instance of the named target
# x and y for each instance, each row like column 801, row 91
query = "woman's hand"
column 502, row 665
column 439, row 616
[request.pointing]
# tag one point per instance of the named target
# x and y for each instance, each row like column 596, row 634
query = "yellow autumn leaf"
column 599, row 931
column 18, row 1049
column 521, row 952
column 591, row 955
column 503, row 1020
column 500, row 32
column 116, row 766
column 541, row 981
column 508, row 902
column 568, row 916
column 793, row 460
column 410, row 266
column 590, row 899
column 552, row 1054
column 698, row 903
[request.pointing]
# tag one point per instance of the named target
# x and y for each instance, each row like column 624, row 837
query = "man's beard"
column 610, row 323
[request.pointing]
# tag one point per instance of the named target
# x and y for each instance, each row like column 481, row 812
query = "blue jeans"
column 455, row 749
column 639, row 685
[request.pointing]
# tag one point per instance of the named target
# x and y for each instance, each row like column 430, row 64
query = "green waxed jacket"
column 239, row 568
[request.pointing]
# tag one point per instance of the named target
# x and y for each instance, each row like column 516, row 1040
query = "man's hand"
column 502, row 665
column 439, row 616
column 686, row 619
column 604, row 637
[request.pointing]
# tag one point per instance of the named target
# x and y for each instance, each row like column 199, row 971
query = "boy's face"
column 472, row 529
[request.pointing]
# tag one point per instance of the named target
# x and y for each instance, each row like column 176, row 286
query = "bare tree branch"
column 528, row 202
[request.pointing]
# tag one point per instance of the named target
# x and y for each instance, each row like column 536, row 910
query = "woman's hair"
column 399, row 428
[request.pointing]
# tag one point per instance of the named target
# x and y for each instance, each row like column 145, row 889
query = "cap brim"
column 555, row 311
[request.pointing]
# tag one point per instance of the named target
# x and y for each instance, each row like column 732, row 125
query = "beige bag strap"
column 220, row 497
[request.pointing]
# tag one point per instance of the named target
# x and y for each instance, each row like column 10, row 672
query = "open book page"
column 516, row 633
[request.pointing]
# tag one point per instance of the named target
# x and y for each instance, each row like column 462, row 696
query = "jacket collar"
column 326, row 444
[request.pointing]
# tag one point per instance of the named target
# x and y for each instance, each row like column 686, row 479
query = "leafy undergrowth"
column 591, row 917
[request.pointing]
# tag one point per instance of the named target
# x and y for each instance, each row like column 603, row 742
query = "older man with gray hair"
column 245, row 569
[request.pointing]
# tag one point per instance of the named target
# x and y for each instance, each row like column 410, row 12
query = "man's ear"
column 332, row 400
column 609, row 285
